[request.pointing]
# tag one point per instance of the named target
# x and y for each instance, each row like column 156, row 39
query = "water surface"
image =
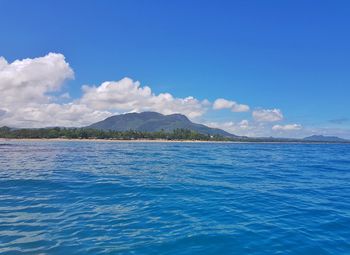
column 174, row 198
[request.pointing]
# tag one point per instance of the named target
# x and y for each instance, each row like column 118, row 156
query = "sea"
column 88, row 197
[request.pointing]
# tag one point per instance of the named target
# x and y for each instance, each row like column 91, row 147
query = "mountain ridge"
column 153, row 122
column 322, row 138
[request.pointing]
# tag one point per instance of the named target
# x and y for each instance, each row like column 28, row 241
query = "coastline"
column 109, row 140
column 156, row 141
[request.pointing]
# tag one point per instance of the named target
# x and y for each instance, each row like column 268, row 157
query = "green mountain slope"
column 152, row 122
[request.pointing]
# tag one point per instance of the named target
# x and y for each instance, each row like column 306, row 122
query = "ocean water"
column 174, row 198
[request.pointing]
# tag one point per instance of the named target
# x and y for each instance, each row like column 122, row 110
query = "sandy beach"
column 152, row 141
column 111, row 140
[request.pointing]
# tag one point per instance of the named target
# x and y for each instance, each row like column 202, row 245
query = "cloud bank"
column 33, row 95
column 27, row 87
column 128, row 95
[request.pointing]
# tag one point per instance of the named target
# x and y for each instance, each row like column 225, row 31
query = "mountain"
column 321, row 138
column 152, row 122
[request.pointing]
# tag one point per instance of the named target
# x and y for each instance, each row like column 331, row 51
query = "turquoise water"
column 174, row 198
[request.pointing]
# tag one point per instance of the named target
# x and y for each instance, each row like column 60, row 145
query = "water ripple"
column 171, row 198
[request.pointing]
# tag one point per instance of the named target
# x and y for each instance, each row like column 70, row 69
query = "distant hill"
column 321, row 138
column 153, row 122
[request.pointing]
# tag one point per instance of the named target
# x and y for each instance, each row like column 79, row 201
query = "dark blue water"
column 174, row 198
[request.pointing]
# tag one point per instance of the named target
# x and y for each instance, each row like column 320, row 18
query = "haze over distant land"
column 155, row 122
column 321, row 138
column 150, row 126
column 251, row 69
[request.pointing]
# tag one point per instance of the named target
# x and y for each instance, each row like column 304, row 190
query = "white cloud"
column 257, row 129
column 26, row 88
column 129, row 96
column 25, row 101
column 222, row 103
column 287, row 127
column 244, row 124
column 267, row 115
column 29, row 81
column 52, row 114
column 242, row 128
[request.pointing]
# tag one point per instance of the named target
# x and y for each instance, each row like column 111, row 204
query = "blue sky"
column 292, row 56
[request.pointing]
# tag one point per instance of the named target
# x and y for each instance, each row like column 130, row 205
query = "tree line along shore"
column 175, row 135
column 86, row 133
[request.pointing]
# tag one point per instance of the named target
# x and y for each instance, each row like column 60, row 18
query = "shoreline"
column 153, row 141
column 108, row 140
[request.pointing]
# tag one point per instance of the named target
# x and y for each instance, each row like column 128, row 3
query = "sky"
column 256, row 68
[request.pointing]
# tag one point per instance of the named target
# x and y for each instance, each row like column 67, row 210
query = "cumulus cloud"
column 267, row 115
column 25, row 87
column 29, row 81
column 129, row 96
column 28, row 86
column 222, row 103
column 287, row 127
